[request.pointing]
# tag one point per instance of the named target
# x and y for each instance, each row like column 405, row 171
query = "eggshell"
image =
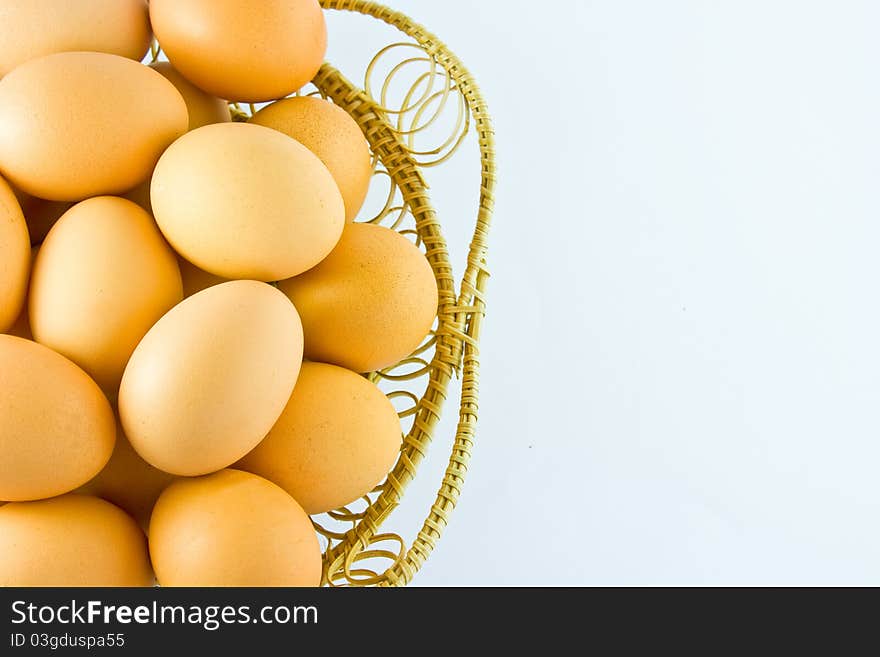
column 330, row 133
column 232, row 528
column 369, row 304
column 57, row 428
column 129, row 482
column 74, row 540
column 22, row 326
column 203, row 108
column 102, row 278
column 210, row 379
column 246, row 202
column 195, row 279
column 80, row 124
column 242, row 51
column 33, row 28
column 15, row 257
column 336, row 439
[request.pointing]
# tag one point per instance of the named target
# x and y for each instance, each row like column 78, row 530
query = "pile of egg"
column 187, row 306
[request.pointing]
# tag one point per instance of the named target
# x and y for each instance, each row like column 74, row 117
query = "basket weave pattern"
column 460, row 313
column 355, row 546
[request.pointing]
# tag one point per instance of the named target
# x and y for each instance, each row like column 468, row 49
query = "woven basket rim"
column 460, row 313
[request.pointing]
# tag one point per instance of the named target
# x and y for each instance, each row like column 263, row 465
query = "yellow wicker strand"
column 459, row 320
column 457, row 334
column 401, row 168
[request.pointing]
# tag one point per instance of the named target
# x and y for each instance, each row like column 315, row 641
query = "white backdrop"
column 681, row 362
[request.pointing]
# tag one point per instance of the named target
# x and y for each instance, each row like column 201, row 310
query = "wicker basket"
column 356, row 553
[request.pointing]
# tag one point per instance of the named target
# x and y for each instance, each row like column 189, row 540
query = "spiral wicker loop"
column 453, row 346
column 356, row 553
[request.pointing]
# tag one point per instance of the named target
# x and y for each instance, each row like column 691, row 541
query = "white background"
column 681, row 358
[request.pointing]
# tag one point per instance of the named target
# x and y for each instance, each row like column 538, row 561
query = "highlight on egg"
column 211, row 377
column 274, row 213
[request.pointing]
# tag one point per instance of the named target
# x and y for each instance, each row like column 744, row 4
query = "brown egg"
column 102, row 278
column 80, row 124
column 369, row 304
column 203, row 108
column 15, row 257
column 33, row 28
column 195, row 279
column 22, row 326
column 232, row 528
column 57, row 430
column 330, row 133
column 336, row 439
column 246, row 202
column 74, row 540
column 129, row 482
column 210, row 379
column 233, row 50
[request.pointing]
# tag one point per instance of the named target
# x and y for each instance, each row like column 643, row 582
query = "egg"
column 369, row 304
column 57, row 428
column 73, row 540
column 336, row 439
column 22, row 325
column 210, row 379
column 129, row 482
column 33, row 28
column 15, row 257
column 80, row 124
column 195, row 279
column 232, row 528
column 102, row 278
column 242, row 51
column 330, row 133
column 203, row 108
column 246, row 202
